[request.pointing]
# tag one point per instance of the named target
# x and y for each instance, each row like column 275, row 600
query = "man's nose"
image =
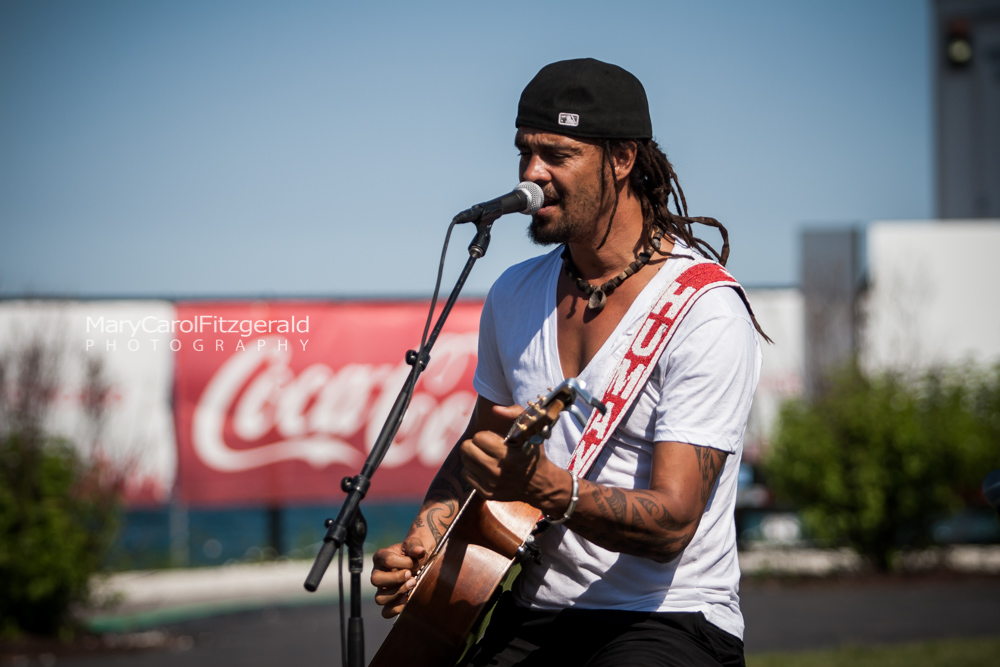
column 535, row 170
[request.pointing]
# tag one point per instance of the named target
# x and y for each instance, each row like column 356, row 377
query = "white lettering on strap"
column 633, row 371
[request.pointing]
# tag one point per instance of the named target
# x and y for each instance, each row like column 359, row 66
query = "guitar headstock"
column 533, row 426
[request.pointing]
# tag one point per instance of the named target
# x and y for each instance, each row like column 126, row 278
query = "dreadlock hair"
column 654, row 183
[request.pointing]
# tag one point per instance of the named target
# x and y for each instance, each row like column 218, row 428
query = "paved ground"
column 789, row 617
column 780, row 615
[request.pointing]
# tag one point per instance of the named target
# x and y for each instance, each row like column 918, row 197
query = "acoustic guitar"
column 458, row 580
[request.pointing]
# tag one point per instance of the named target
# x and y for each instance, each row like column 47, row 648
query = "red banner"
column 276, row 402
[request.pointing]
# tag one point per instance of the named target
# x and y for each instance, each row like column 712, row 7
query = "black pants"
column 602, row 638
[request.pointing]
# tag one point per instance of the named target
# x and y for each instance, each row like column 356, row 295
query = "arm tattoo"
column 444, row 498
column 638, row 522
column 634, row 536
column 440, row 517
column 617, row 532
column 616, row 501
column 638, row 525
column 658, row 513
column 709, row 463
column 602, row 506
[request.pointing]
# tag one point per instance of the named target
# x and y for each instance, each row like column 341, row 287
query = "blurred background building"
column 967, row 108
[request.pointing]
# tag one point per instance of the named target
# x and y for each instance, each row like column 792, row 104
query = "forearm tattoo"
column 637, row 522
column 444, row 498
column 634, row 522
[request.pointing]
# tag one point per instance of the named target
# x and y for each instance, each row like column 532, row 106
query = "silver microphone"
column 526, row 198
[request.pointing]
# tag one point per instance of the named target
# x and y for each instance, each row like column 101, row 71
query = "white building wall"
column 780, row 312
column 138, row 433
column 934, row 295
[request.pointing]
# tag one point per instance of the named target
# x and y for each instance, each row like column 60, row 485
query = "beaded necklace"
column 599, row 295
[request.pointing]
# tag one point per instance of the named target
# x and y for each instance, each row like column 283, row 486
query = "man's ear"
column 623, row 157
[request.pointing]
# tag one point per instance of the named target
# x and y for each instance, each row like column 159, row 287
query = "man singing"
column 640, row 565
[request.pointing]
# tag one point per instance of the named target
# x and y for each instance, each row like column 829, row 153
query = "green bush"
column 876, row 460
column 53, row 535
column 58, row 512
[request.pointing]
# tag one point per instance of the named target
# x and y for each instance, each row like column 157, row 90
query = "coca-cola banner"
column 276, row 402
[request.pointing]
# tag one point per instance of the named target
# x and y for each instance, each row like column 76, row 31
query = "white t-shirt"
column 700, row 393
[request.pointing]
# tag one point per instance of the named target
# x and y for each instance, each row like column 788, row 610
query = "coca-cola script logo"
column 315, row 413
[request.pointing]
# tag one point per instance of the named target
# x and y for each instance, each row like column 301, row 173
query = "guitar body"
column 456, row 584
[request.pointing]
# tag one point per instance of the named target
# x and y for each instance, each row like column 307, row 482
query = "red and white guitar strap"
column 642, row 354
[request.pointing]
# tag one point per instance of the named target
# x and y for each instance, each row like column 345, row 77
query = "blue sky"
column 245, row 148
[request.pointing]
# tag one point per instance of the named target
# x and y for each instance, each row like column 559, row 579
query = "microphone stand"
column 350, row 525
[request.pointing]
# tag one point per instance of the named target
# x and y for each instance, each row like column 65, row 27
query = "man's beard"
column 571, row 226
column 550, row 235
